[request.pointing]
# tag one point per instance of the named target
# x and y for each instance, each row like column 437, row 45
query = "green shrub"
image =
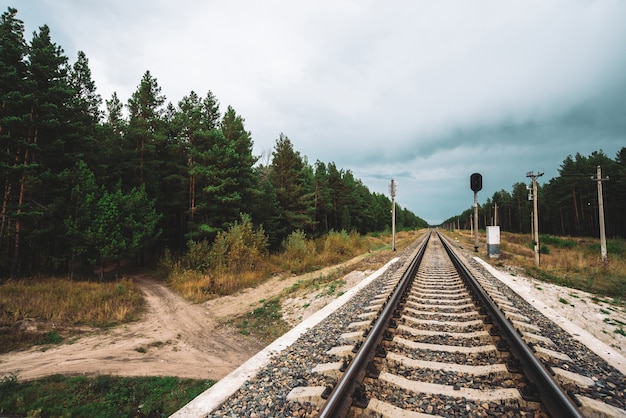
column 239, row 249
column 52, row 337
column 197, row 256
column 557, row 242
column 297, row 249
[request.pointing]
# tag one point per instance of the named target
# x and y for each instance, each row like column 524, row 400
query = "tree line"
column 568, row 203
column 86, row 183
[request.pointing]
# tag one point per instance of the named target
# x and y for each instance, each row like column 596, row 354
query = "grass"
column 101, row 396
column 264, row 322
column 54, row 304
column 54, row 307
column 572, row 262
column 299, row 255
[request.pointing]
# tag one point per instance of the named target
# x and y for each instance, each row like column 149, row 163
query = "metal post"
column 601, row 214
column 475, row 222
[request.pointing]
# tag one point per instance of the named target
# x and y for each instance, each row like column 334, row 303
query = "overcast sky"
column 425, row 92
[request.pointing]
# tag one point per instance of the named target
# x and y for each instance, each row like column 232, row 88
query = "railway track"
column 421, row 342
column 447, row 349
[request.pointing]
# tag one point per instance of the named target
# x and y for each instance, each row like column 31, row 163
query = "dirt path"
column 174, row 338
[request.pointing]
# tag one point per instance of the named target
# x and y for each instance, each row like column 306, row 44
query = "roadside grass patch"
column 264, row 322
column 574, row 262
column 100, row 396
column 55, row 305
column 239, row 259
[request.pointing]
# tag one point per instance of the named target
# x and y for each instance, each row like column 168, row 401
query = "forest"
column 87, row 182
column 568, row 203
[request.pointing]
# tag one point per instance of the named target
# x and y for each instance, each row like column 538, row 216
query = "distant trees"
column 568, row 203
column 84, row 185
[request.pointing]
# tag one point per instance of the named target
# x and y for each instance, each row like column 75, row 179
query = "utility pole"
column 534, row 176
column 392, row 191
column 601, row 212
column 495, row 213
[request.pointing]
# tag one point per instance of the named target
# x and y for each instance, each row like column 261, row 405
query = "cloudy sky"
column 424, row 92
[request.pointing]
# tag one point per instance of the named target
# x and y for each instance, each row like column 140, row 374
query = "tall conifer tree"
column 13, row 112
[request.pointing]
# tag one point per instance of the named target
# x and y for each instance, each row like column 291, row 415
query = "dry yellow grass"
column 573, row 262
column 303, row 256
column 69, row 302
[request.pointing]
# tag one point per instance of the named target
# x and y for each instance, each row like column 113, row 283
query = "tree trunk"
column 18, row 226
column 4, row 222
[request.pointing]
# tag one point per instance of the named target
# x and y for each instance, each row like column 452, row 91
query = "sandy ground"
column 177, row 338
column 589, row 319
column 174, row 338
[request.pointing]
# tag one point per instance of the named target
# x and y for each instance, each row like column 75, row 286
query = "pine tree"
column 286, row 174
column 83, row 113
column 79, row 216
column 242, row 164
column 109, row 168
column 322, row 201
column 43, row 154
column 145, row 133
column 13, row 72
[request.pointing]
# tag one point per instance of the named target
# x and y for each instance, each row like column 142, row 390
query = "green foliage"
column 340, row 242
column 102, row 396
column 197, row 257
column 616, row 247
column 83, row 188
column 557, row 241
column 52, row 337
column 239, row 249
column 264, row 322
column 297, row 249
column 568, row 203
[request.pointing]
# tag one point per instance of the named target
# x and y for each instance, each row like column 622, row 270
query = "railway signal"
column 476, row 184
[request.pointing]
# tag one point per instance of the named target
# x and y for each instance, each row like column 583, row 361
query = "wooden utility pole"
column 601, row 212
column 534, row 176
column 495, row 213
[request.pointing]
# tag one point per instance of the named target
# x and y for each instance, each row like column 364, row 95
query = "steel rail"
column 554, row 398
column 340, row 399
